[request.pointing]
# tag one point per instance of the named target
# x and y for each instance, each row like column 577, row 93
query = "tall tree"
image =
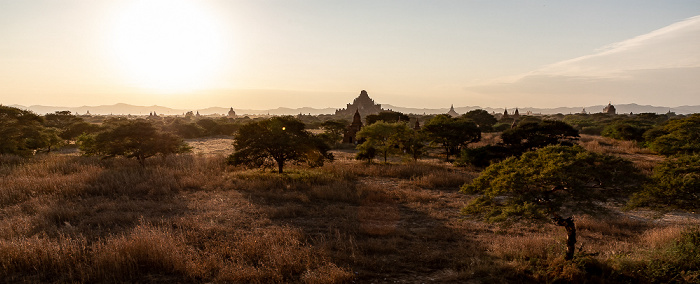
column 452, row 134
column 279, row 139
column 551, row 183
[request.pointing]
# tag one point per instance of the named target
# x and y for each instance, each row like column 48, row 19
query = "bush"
column 675, row 185
column 483, row 156
column 676, row 136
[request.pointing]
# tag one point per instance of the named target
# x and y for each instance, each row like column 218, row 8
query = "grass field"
column 191, row 218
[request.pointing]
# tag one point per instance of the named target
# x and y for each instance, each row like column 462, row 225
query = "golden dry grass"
column 191, row 218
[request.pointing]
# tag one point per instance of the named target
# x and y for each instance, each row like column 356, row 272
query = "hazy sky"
column 266, row 54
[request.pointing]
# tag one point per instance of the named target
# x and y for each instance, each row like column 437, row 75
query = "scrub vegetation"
column 195, row 217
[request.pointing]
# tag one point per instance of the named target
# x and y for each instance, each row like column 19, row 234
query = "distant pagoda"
column 363, row 104
column 452, row 112
column 609, row 109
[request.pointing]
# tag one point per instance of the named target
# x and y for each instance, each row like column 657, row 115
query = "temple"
column 363, row 104
column 353, row 128
column 609, row 109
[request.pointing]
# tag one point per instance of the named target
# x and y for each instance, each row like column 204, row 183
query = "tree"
column 68, row 126
column 550, row 183
column 676, row 136
column 278, row 139
column 412, row 142
column 333, row 130
column 22, row 132
column 532, row 135
column 386, row 116
column 675, row 184
column 451, row 133
column 138, row 139
column 383, row 137
column 482, row 118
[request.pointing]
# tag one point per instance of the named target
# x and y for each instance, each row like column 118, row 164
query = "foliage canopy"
column 549, row 183
column 675, row 184
column 451, row 133
column 676, row 136
column 533, row 135
column 22, row 132
column 278, row 139
column 137, row 138
column 482, row 118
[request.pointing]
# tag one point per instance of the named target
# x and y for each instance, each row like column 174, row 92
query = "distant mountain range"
column 122, row 109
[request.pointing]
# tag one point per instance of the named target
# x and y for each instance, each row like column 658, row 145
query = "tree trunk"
column 568, row 224
column 280, row 165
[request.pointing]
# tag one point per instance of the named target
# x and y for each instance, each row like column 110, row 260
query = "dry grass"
column 191, row 218
column 643, row 158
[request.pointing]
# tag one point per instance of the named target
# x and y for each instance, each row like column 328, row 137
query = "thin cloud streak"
column 644, row 69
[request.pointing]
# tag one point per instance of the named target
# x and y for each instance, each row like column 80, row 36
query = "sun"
column 167, row 45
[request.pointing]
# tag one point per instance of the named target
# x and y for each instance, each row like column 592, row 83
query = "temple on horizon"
column 362, row 104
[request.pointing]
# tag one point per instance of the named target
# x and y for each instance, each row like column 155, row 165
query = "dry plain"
column 192, row 218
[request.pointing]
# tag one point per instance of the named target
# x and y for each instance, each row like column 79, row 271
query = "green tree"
column 452, row 134
column 675, row 184
column 384, row 137
column 482, row 118
column 412, row 142
column 278, row 139
column 676, row 136
column 550, row 184
column 137, row 138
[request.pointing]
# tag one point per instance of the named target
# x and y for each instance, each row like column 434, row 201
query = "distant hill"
column 123, row 109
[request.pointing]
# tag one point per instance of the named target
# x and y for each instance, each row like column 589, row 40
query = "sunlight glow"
column 168, row 45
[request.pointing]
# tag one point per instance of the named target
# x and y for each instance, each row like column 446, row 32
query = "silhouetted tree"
column 333, row 130
column 550, row 184
column 278, row 139
column 482, row 118
column 69, row 126
column 386, row 116
column 452, row 133
column 532, row 135
column 22, row 132
column 138, row 139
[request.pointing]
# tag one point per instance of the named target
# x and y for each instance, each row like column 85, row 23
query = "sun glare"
column 168, row 45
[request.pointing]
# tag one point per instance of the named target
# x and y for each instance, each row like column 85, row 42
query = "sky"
column 300, row 53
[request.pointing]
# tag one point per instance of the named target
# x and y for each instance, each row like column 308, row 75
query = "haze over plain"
column 267, row 54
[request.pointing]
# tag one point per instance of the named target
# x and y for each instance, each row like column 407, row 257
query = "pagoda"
column 352, row 129
column 363, row 104
column 609, row 109
column 452, row 112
